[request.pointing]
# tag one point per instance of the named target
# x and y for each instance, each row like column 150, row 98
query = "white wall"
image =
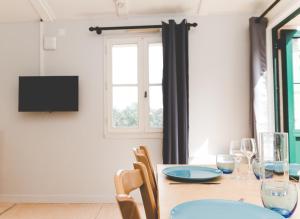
column 56, row 157
column 219, row 84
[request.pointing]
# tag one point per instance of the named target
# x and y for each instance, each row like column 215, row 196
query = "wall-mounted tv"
column 48, row 93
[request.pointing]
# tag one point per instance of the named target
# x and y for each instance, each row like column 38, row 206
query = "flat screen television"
column 48, row 93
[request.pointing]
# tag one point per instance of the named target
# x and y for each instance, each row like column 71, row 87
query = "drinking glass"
column 257, row 169
column 235, row 150
column 225, row 163
column 279, row 196
column 274, row 152
column 277, row 193
column 248, row 147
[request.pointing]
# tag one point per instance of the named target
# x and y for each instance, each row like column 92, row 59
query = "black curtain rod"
column 100, row 29
column 268, row 10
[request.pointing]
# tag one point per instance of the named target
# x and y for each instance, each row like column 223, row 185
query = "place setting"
column 192, row 174
column 268, row 168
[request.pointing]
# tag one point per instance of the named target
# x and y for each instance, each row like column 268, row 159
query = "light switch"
column 49, row 43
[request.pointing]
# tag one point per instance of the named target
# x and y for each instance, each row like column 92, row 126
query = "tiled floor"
column 60, row 211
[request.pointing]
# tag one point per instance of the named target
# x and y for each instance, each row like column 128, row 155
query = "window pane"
column 124, row 64
column 125, row 107
column 156, row 107
column 297, row 105
column 155, row 63
column 296, row 60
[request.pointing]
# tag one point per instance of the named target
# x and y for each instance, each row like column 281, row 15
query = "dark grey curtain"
column 258, row 66
column 175, row 93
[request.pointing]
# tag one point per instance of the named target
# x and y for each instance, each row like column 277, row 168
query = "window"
column 296, row 81
column 134, row 86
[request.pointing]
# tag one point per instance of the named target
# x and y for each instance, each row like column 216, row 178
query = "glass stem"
column 249, row 165
column 238, row 168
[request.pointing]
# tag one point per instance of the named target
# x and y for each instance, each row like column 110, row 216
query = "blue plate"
column 294, row 170
column 192, row 173
column 216, row 209
column 278, row 168
column 275, row 167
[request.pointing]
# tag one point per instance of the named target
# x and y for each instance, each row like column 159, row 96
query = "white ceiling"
column 33, row 10
column 17, row 10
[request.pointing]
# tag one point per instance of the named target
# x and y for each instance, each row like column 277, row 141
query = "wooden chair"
column 128, row 207
column 128, row 180
column 142, row 155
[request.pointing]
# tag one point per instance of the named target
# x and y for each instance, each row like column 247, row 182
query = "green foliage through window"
column 156, row 118
column 126, row 118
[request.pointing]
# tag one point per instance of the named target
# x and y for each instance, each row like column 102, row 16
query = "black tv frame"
column 71, row 109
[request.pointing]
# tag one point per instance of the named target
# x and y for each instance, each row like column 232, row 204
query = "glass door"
column 290, row 40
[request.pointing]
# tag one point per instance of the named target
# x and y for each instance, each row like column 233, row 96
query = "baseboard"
column 13, row 198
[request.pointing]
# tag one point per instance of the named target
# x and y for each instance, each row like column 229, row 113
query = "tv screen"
column 48, row 93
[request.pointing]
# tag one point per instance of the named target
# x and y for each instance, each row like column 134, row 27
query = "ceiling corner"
column 121, row 7
column 199, row 7
column 43, row 10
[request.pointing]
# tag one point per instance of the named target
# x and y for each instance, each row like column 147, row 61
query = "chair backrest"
column 128, row 207
column 142, row 155
column 128, row 180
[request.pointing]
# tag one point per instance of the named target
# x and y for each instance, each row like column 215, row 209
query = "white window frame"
column 144, row 130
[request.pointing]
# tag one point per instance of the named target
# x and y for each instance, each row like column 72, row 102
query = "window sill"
column 133, row 135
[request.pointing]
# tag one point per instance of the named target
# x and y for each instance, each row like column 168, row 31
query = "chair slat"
column 128, row 207
column 142, row 155
column 128, row 180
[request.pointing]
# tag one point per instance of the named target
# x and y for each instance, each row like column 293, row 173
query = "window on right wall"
column 134, row 87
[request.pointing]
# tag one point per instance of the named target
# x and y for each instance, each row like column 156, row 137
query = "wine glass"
column 235, row 150
column 248, row 148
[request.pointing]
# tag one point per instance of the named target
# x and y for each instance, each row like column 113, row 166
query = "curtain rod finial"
column 92, row 28
column 97, row 29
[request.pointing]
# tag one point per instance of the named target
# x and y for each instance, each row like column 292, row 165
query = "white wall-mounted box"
column 49, row 43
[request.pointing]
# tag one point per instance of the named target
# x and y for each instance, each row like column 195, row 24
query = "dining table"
column 226, row 187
